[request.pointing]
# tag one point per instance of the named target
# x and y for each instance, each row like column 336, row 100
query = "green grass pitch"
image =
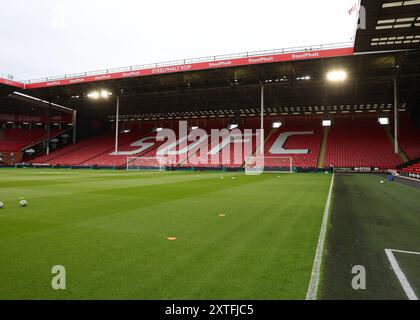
column 109, row 230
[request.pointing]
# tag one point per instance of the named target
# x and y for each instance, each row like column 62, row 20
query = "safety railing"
column 318, row 47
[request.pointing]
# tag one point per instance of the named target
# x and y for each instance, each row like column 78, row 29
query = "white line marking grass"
column 316, row 269
column 400, row 274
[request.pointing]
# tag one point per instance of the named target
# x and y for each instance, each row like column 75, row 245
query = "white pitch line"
column 316, row 269
column 402, row 251
column 400, row 274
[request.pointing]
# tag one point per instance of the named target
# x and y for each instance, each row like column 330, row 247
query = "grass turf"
column 367, row 218
column 109, row 230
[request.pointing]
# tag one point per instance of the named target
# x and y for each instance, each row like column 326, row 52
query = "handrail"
column 196, row 60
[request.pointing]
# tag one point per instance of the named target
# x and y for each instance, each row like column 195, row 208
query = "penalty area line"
column 316, row 269
column 400, row 274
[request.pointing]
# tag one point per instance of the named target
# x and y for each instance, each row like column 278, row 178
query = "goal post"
column 146, row 164
column 258, row 164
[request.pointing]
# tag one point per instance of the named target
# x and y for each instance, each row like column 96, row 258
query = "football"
column 1, row 205
column 23, row 203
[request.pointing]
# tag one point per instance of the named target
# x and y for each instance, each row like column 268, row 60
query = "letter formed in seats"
column 278, row 145
column 139, row 143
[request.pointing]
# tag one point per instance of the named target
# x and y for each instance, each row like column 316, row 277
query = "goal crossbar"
column 146, row 164
column 260, row 164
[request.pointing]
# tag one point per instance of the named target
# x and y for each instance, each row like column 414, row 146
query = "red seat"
column 15, row 140
column 360, row 143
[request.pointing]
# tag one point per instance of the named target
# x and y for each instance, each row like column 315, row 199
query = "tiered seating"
column 15, row 140
column 83, row 155
column 311, row 142
column 359, row 143
column 415, row 168
column 66, row 150
column 412, row 171
column 409, row 138
column 108, row 159
column 225, row 157
column 351, row 143
column 232, row 155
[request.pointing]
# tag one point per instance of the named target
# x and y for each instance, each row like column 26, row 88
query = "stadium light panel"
column 103, row 94
column 94, row 95
column 326, row 123
column 337, row 76
column 383, row 120
column 276, row 124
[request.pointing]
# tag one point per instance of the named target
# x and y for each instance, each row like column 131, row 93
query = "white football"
column 1, row 205
column 23, row 203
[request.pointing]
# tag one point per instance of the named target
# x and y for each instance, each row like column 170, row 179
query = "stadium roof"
column 234, row 88
column 390, row 25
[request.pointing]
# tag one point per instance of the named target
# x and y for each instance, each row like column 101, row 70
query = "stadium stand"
column 311, row 142
column 360, row 142
column 47, row 159
column 415, row 168
column 353, row 141
column 409, row 138
column 108, row 159
column 93, row 149
column 18, row 139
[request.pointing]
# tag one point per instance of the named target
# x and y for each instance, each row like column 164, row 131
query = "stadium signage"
column 172, row 69
column 281, row 57
column 76, row 80
column 220, row 64
column 307, row 55
column 12, row 83
column 261, row 60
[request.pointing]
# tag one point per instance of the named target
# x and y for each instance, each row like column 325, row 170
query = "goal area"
column 146, row 164
column 258, row 164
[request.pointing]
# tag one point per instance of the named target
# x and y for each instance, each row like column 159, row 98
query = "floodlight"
column 103, row 94
column 326, row 123
column 276, row 124
column 383, row 120
column 93, row 95
column 337, row 76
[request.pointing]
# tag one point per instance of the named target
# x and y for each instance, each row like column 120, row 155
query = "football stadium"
column 285, row 174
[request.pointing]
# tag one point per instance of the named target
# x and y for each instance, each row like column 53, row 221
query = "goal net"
column 146, row 164
column 258, row 165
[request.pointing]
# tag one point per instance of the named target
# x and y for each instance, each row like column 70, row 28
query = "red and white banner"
column 12, row 83
column 305, row 55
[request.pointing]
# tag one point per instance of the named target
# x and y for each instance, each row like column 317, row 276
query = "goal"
column 146, row 164
column 258, row 165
